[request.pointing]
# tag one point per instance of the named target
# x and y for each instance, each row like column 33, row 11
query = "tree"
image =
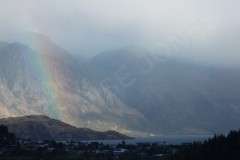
column 3, row 131
column 6, row 137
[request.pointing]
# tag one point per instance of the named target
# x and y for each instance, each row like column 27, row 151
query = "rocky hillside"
column 178, row 97
column 130, row 90
column 56, row 84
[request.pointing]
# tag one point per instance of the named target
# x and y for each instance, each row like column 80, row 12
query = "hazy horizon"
column 203, row 31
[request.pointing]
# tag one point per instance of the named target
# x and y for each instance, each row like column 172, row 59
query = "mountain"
column 44, row 128
column 178, row 97
column 33, row 81
column 130, row 90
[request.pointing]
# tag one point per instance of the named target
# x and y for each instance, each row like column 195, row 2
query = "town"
column 219, row 147
column 14, row 148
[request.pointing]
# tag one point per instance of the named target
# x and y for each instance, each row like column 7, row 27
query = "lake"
column 171, row 139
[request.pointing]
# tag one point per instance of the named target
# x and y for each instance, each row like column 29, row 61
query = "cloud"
column 91, row 26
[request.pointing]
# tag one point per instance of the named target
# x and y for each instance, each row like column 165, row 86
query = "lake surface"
column 171, row 139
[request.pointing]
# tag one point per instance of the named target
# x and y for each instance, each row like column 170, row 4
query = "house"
column 119, row 151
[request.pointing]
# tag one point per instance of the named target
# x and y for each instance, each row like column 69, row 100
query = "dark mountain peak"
column 46, row 128
column 28, row 118
column 37, row 117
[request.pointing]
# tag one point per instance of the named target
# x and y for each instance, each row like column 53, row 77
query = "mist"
column 203, row 31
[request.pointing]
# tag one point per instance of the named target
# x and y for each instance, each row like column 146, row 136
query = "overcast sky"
column 201, row 29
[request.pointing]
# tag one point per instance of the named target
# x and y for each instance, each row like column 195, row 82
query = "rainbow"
column 43, row 72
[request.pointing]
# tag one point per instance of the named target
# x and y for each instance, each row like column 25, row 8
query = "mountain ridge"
column 45, row 128
column 75, row 86
column 131, row 90
column 178, row 97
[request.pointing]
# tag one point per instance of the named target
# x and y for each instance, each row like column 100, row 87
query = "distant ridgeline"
column 45, row 128
column 219, row 147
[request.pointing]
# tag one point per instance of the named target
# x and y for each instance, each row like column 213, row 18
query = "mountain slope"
column 45, row 128
column 176, row 96
column 60, row 86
